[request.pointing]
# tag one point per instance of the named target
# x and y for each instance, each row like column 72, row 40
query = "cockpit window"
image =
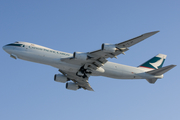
column 18, row 45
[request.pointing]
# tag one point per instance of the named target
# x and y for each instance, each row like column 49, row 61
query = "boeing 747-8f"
column 76, row 68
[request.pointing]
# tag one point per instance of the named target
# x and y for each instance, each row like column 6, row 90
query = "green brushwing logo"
column 154, row 63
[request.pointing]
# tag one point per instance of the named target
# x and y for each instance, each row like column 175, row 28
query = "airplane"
column 76, row 68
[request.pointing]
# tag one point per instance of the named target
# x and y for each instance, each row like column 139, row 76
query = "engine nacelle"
column 80, row 56
column 60, row 78
column 110, row 48
column 72, row 86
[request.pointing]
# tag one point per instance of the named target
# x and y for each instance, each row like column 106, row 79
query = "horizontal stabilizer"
column 161, row 71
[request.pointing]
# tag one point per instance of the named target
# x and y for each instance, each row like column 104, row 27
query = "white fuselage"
column 39, row 54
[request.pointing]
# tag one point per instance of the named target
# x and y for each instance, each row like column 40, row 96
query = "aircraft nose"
column 4, row 47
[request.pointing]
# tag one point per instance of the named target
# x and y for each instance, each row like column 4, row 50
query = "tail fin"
column 155, row 62
column 154, row 67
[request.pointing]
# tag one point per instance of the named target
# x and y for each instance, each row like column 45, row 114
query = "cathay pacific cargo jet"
column 76, row 68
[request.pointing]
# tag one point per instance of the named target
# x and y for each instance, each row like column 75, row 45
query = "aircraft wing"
column 123, row 46
column 92, row 61
column 82, row 82
column 113, row 50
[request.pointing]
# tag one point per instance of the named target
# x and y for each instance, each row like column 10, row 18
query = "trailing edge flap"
column 161, row 71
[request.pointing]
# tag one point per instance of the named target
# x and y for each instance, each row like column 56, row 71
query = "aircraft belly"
column 119, row 71
column 38, row 58
column 67, row 67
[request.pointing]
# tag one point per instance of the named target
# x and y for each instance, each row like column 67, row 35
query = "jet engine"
column 72, row 86
column 80, row 56
column 60, row 78
column 110, row 48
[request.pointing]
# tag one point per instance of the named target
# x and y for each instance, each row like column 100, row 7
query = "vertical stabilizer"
column 155, row 62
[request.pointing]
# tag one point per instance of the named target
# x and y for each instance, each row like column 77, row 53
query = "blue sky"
column 28, row 91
